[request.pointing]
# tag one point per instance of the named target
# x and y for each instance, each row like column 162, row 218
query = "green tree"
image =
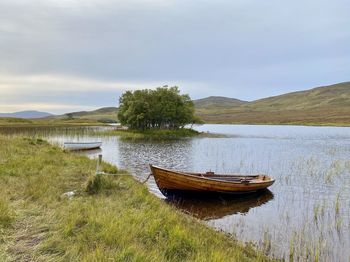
column 164, row 107
column 70, row 116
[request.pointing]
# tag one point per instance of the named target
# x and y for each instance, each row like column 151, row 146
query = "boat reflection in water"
column 209, row 208
column 90, row 153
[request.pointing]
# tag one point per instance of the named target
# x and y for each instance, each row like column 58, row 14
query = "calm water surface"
column 304, row 216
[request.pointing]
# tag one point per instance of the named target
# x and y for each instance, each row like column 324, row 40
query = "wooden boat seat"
column 228, row 178
column 232, row 179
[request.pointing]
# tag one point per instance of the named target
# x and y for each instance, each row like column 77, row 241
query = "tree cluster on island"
column 162, row 108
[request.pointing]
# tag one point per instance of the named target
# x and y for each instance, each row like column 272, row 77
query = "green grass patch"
column 13, row 121
column 154, row 134
column 110, row 218
column 6, row 212
column 49, row 122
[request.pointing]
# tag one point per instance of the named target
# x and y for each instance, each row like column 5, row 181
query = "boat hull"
column 179, row 183
column 82, row 146
column 179, row 193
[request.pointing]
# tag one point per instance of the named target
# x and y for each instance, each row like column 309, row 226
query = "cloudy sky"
column 69, row 55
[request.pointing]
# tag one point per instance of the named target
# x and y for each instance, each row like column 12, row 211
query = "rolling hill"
column 26, row 114
column 213, row 102
column 104, row 114
column 327, row 105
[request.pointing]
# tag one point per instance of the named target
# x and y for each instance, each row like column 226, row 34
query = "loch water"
column 305, row 215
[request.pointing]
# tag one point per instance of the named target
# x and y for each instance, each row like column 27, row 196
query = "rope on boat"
column 147, row 178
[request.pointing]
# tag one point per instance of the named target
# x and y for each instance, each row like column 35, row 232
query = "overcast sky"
column 68, row 55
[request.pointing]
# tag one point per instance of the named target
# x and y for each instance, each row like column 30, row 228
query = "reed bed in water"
column 312, row 221
column 102, row 131
column 111, row 218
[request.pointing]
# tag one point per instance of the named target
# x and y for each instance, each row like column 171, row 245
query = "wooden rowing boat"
column 82, row 145
column 172, row 182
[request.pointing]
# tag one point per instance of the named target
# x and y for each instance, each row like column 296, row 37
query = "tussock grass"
column 109, row 218
column 6, row 213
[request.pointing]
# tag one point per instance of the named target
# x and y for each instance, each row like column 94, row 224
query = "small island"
column 160, row 114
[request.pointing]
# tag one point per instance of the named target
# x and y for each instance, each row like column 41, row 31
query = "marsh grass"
column 314, row 227
column 109, row 218
column 48, row 122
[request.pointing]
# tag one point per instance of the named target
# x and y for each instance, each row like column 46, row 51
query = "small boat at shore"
column 82, row 145
column 172, row 182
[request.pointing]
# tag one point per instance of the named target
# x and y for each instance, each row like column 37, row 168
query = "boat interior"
column 231, row 177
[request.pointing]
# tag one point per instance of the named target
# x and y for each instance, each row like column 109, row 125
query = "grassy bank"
column 154, row 134
column 110, row 217
column 20, row 122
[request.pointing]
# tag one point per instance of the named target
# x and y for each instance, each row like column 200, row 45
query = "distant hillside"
column 327, row 96
column 26, row 114
column 217, row 101
column 104, row 114
column 328, row 105
column 322, row 105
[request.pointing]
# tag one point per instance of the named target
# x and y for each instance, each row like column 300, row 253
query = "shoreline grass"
column 274, row 118
column 153, row 134
column 118, row 220
column 280, row 124
column 19, row 122
column 159, row 134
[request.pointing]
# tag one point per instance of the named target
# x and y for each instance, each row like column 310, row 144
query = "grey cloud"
column 248, row 49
